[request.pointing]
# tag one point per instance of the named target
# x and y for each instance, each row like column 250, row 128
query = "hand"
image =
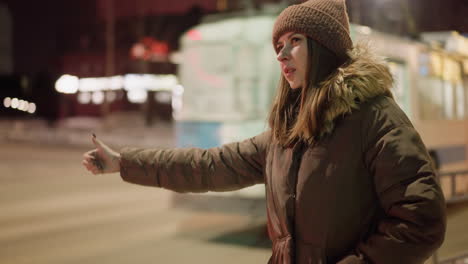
column 102, row 159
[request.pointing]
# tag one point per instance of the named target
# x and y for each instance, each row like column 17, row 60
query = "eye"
column 295, row 39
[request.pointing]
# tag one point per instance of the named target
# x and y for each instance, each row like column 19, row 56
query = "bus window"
column 399, row 89
column 465, row 86
column 460, row 101
column 448, row 98
column 430, row 95
column 440, row 87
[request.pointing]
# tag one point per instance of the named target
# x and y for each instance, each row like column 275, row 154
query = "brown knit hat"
column 325, row 21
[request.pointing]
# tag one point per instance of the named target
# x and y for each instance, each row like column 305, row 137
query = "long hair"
column 296, row 115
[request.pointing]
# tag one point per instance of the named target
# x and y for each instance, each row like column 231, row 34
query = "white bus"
column 229, row 73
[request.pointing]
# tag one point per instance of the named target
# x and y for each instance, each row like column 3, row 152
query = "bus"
column 229, row 75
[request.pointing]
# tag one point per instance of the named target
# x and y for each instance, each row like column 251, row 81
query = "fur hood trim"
column 362, row 78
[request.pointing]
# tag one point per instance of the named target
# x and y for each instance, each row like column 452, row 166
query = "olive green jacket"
column 365, row 193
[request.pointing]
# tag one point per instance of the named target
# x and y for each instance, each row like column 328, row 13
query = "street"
column 54, row 211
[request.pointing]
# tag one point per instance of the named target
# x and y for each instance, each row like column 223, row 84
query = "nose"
column 283, row 54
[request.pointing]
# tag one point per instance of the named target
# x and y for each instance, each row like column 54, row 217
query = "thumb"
column 97, row 142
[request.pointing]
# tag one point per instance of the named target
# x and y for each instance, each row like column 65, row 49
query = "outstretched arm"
column 230, row 167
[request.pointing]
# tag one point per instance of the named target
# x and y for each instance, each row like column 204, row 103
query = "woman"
column 348, row 179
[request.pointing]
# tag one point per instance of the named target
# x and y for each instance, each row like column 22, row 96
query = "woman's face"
column 292, row 56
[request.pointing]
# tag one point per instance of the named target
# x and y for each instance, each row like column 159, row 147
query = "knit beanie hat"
column 325, row 21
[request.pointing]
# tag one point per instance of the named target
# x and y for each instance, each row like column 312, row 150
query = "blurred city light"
column 150, row 82
column 67, row 84
column 14, row 103
column 194, row 34
column 116, row 82
column 111, row 96
column 163, row 97
column 7, row 102
column 137, row 96
column 95, row 90
column 134, row 81
column 84, row 98
column 93, row 84
column 138, row 50
column 87, row 88
column 25, row 106
column 19, row 104
column 31, row 108
column 150, row 49
column 22, row 104
column 97, row 97
column 164, row 82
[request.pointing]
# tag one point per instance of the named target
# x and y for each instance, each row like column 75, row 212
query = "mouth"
column 289, row 71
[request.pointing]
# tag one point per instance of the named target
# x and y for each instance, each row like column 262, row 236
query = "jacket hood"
column 362, row 78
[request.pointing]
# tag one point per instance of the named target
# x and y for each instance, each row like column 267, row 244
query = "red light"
column 150, row 49
column 160, row 48
column 194, row 35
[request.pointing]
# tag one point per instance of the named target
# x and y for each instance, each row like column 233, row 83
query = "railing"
column 455, row 186
column 462, row 259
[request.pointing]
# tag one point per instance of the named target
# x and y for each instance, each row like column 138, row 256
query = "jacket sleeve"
column 229, row 167
column 413, row 222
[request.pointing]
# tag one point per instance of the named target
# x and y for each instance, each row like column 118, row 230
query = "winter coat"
column 365, row 193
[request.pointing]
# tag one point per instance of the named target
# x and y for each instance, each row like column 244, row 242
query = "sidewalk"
column 118, row 130
column 128, row 129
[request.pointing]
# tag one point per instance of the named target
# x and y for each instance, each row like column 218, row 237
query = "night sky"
column 46, row 33
column 45, row 30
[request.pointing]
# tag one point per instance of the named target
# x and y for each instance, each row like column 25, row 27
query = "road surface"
column 53, row 211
